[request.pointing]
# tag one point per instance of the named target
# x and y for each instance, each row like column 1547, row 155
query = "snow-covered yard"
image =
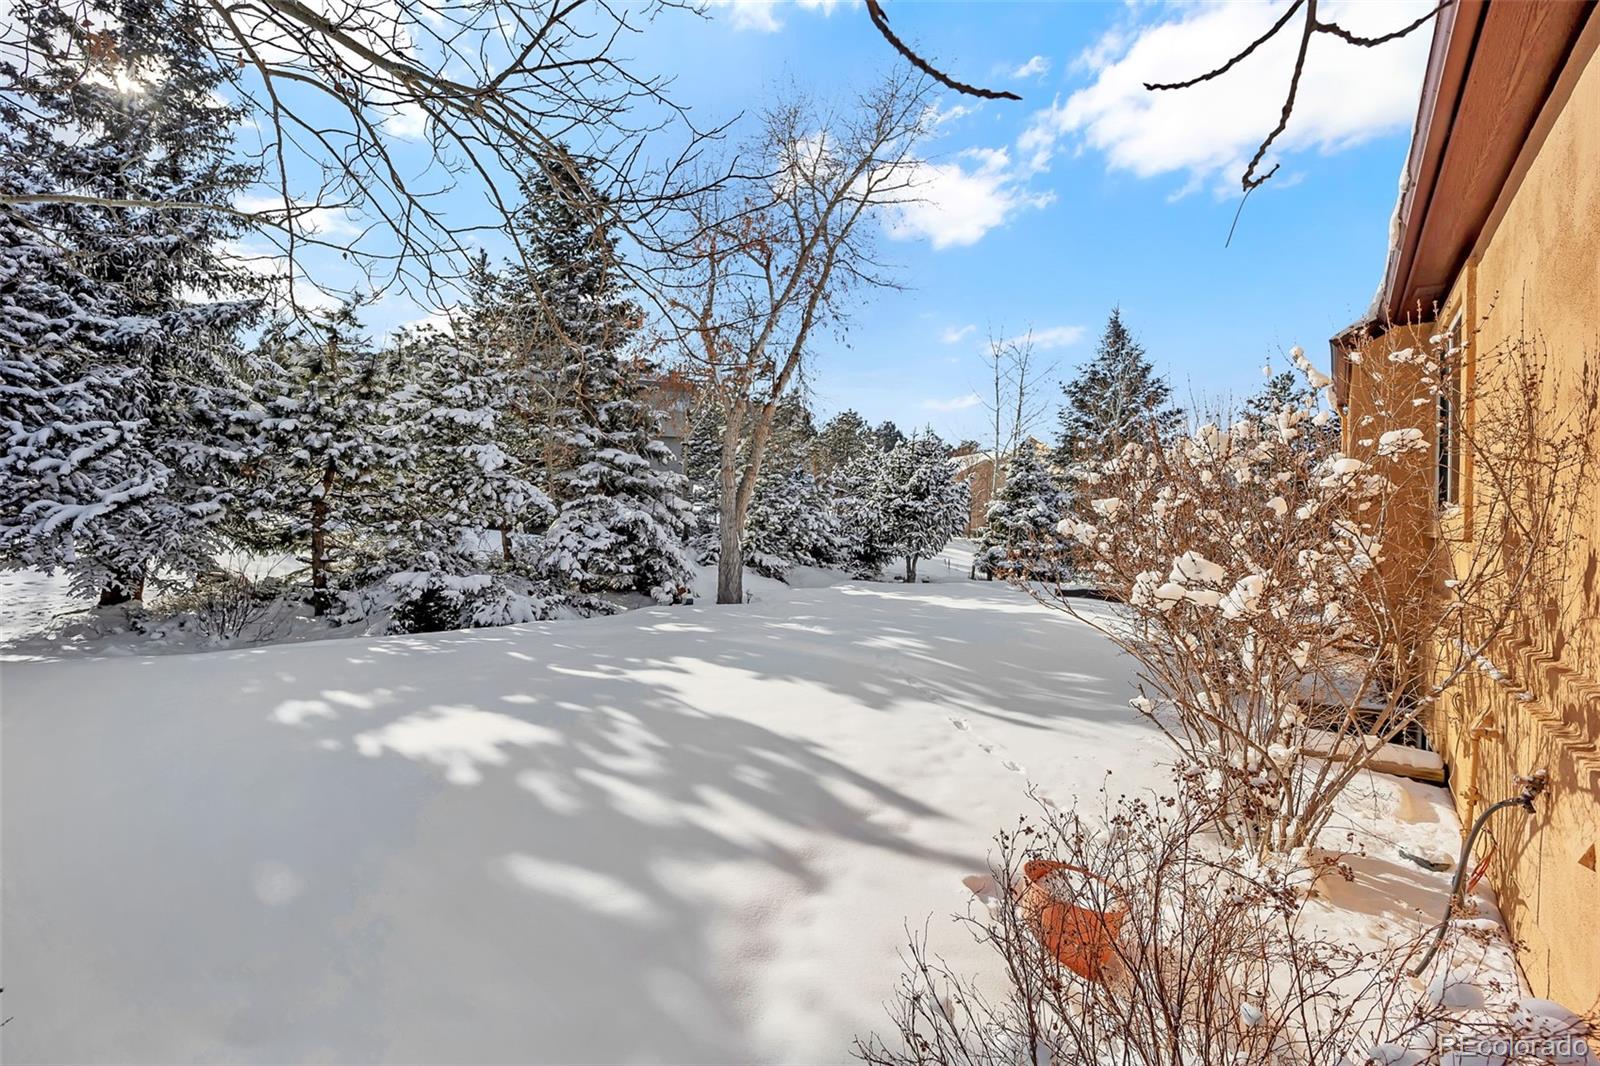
column 680, row 834
column 692, row 834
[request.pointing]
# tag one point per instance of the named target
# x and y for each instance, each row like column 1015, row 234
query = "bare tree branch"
column 1309, row 28
column 881, row 21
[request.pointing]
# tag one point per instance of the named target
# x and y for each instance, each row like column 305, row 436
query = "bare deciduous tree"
column 1013, row 403
column 364, row 117
column 772, row 257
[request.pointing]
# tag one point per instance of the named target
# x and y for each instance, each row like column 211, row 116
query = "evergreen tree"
column 1113, row 399
column 853, row 490
column 921, row 501
column 702, row 454
column 790, row 523
column 120, row 322
column 793, row 436
column 1019, row 532
column 843, row 437
column 322, row 444
column 473, row 455
column 622, row 520
column 888, row 436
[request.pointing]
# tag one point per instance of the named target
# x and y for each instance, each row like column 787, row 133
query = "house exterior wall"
column 1533, row 280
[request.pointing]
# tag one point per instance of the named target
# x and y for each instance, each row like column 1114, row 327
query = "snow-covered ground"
column 691, row 834
column 679, row 834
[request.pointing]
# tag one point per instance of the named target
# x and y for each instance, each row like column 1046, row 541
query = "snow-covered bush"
column 1286, row 600
column 1019, row 535
column 920, row 501
column 1192, row 954
column 426, row 601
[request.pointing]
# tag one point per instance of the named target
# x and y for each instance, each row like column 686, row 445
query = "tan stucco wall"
column 1536, row 279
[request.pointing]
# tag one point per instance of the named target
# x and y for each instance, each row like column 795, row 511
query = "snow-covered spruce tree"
column 1019, row 535
column 842, row 439
column 622, row 520
column 467, row 497
column 702, row 454
column 322, row 444
column 119, row 322
column 853, row 489
column 920, row 500
column 474, row 456
column 1114, row 398
column 790, row 523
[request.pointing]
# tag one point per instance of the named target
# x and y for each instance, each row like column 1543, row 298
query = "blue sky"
column 1090, row 192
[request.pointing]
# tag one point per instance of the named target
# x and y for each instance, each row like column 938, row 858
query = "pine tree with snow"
column 853, row 499
column 920, row 500
column 1115, row 397
column 842, row 439
column 888, row 436
column 475, row 459
column 120, row 321
column 1019, row 534
column 322, row 446
column 790, row 523
column 622, row 519
column 702, row 456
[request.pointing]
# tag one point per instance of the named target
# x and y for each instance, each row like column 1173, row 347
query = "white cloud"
column 1050, row 337
column 762, row 15
column 1207, row 132
column 955, row 403
column 961, row 200
column 407, row 121
column 1036, row 67
column 957, row 334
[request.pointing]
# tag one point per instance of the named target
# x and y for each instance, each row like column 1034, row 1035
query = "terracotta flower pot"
column 1083, row 938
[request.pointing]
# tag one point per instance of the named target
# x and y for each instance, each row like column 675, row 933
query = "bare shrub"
column 1286, row 601
column 224, row 606
column 1214, row 959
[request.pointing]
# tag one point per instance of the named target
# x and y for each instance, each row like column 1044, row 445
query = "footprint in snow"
column 987, row 749
column 960, row 723
column 1013, row 767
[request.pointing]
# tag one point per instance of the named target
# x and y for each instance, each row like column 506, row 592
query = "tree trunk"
column 121, row 589
column 505, row 543
column 730, row 562
column 319, row 545
column 911, row 569
column 730, row 520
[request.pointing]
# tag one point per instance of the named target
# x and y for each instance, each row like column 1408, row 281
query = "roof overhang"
column 1493, row 67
